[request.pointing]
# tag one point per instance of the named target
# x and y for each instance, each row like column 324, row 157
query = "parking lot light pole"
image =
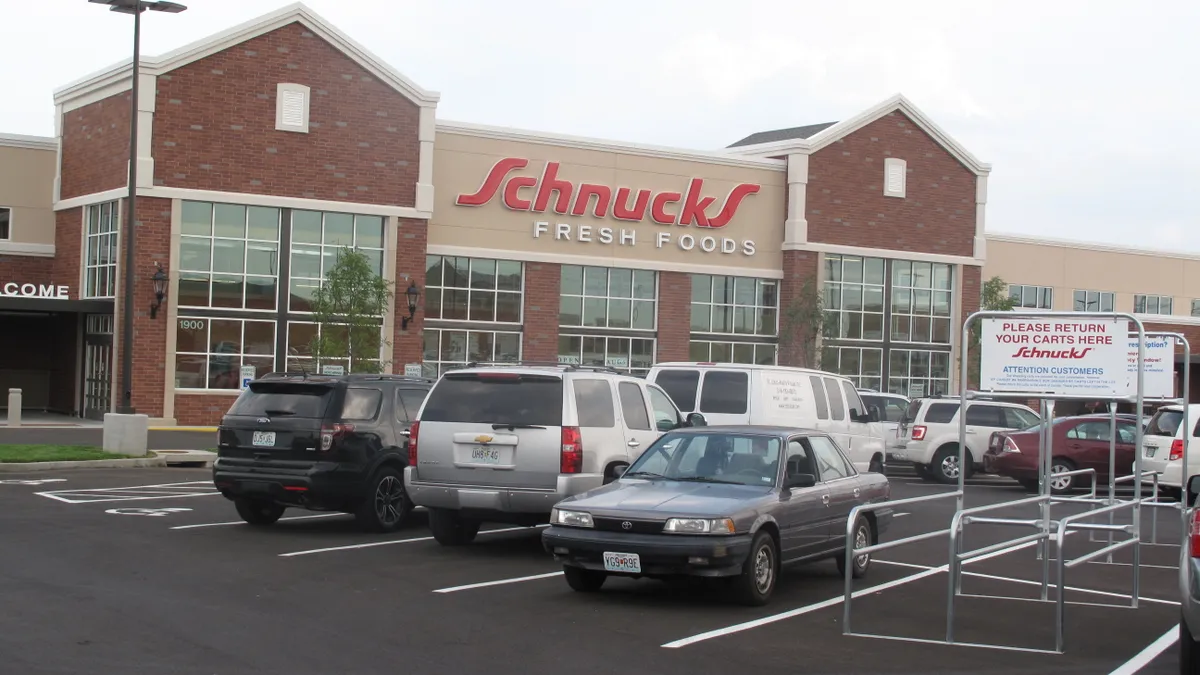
column 134, row 7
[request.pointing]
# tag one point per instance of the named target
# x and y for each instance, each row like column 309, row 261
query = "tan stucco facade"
column 749, row 241
column 1070, row 266
column 26, row 187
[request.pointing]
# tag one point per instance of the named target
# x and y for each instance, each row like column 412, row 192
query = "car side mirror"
column 872, row 414
column 696, row 420
column 800, row 480
column 619, row 470
column 1193, row 490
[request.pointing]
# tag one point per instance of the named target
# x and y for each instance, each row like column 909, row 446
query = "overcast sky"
column 1086, row 109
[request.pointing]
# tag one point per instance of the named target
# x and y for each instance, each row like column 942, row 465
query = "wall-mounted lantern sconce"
column 160, row 289
column 413, row 294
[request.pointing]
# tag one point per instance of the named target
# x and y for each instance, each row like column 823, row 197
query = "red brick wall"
column 27, row 270
column 543, row 284
column 152, row 240
column 202, row 410
column 95, row 147
column 411, row 240
column 970, row 296
column 214, row 125
column 68, row 246
column 674, row 316
column 845, row 203
column 794, row 348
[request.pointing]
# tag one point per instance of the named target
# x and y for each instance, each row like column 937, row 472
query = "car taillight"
column 1195, row 534
column 918, row 433
column 1010, row 445
column 412, row 443
column 1176, row 450
column 330, row 433
column 572, row 450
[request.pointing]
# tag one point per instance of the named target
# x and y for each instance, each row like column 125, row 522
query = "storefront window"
column 917, row 372
column 228, row 256
column 473, row 289
column 602, row 297
column 316, row 239
column 100, row 261
column 734, row 305
column 921, row 297
column 760, row 353
column 210, row 353
column 863, row 365
column 446, row 349
column 631, row 355
column 854, row 297
column 300, row 336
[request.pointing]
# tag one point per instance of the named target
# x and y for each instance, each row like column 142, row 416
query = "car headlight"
column 571, row 518
column 699, row 526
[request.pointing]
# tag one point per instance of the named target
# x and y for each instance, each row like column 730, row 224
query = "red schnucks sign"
column 537, row 194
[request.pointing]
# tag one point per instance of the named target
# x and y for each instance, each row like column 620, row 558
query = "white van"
column 735, row 393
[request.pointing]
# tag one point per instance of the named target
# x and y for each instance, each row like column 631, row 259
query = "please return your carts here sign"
column 1086, row 357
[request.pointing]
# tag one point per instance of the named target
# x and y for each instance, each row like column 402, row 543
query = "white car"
column 1162, row 445
column 736, row 393
column 928, row 434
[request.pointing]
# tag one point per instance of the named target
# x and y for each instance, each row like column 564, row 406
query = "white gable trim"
column 28, row 142
column 849, row 126
column 115, row 78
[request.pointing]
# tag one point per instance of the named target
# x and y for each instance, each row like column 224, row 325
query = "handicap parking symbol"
column 146, row 511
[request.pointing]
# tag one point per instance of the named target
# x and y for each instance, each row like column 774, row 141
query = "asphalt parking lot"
column 150, row 571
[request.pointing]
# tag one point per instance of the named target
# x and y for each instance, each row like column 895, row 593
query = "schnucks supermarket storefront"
column 523, row 245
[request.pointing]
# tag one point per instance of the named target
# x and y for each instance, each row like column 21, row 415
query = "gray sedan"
column 720, row 501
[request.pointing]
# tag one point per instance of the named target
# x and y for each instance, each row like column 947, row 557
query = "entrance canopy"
column 54, row 305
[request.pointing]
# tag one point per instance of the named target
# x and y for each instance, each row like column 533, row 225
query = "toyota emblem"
column 626, row 525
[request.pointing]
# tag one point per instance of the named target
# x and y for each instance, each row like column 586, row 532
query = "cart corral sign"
column 1158, row 367
column 1062, row 357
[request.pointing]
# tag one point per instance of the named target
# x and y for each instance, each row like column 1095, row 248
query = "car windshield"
column 713, row 457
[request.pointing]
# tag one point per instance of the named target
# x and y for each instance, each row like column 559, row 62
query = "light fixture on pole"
column 134, row 7
column 160, row 289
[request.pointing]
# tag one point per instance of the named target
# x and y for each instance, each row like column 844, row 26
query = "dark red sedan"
column 1079, row 443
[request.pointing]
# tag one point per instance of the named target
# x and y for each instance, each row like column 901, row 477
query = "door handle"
column 633, row 443
column 970, row 431
column 825, row 499
column 406, row 432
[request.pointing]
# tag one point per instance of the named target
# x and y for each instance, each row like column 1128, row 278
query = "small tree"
column 994, row 297
column 349, row 308
column 802, row 322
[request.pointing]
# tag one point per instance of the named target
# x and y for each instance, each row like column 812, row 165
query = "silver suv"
column 506, row 442
column 928, row 434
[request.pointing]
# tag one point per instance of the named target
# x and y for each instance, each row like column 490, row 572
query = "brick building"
column 264, row 149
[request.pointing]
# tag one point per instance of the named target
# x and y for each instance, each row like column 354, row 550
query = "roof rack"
column 541, row 364
column 391, row 377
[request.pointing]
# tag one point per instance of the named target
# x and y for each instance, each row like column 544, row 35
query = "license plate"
column 1150, row 452
column 263, row 439
column 628, row 563
column 485, row 455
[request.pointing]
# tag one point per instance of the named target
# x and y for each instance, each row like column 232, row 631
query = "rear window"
column 725, row 392
column 594, row 403
column 268, row 399
column 940, row 413
column 910, row 414
column 501, row 398
column 1165, row 423
column 361, row 404
column 681, row 386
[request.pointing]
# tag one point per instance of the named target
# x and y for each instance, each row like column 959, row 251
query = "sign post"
column 333, row 370
column 412, row 370
column 248, row 375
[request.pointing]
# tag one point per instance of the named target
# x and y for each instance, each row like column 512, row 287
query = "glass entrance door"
column 97, row 365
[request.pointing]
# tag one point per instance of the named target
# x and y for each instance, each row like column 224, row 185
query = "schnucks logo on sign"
column 694, row 207
column 1035, row 353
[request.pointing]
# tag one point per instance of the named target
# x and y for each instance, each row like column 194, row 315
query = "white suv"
column 506, row 442
column 928, row 434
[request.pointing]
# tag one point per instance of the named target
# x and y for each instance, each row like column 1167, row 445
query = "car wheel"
column 876, row 465
column 944, row 467
column 1029, row 484
column 386, row 505
column 584, row 581
column 864, row 536
column 755, row 585
column 450, row 529
column 922, row 471
column 1064, row 484
column 1189, row 651
column 258, row 512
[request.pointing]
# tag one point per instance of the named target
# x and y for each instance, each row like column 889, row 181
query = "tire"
column 864, row 535
column 756, row 584
column 922, row 471
column 1059, row 486
column 385, row 507
column 584, row 581
column 1189, row 651
column 1030, row 485
column 944, row 467
column 876, row 465
column 449, row 529
column 257, row 512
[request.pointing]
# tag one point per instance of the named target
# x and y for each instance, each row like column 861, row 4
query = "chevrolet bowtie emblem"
column 483, row 438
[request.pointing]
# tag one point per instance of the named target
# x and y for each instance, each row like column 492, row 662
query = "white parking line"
column 398, row 541
column 242, row 522
column 132, row 493
column 500, row 582
column 1144, row 657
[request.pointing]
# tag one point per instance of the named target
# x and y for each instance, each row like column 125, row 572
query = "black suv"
column 326, row 443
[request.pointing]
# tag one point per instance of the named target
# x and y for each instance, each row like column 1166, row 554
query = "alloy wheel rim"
column 861, row 540
column 950, row 466
column 1061, row 482
column 389, row 498
column 764, row 569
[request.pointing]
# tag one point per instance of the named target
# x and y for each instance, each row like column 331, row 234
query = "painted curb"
column 189, row 429
column 135, row 463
